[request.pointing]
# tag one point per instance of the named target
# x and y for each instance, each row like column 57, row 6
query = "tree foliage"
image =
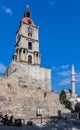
column 62, row 97
column 68, row 104
column 63, row 100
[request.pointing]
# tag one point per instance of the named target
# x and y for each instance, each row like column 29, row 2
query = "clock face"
column 30, row 30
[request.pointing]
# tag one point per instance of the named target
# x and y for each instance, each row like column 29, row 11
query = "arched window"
column 24, row 51
column 36, row 54
column 28, row 14
column 29, row 21
column 30, row 34
column 29, row 59
column 30, row 45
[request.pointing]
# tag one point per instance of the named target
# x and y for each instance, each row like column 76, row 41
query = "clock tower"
column 27, row 41
column 25, row 65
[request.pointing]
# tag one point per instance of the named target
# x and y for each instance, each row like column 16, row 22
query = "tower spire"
column 27, row 17
column 27, row 13
column 73, row 80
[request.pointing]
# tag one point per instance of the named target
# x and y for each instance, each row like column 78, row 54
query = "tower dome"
column 27, row 17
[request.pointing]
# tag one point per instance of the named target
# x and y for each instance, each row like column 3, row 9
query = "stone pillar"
column 18, row 56
column 15, row 57
column 38, row 58
column 35, row 58
column 26, row 56
column 21, row 55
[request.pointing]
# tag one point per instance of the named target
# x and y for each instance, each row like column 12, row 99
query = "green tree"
column 68, row 104
column 62, row 97
column 63, row 100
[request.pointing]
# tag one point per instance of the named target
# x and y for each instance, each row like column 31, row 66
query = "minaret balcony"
column 73, row 73
column 73, row 80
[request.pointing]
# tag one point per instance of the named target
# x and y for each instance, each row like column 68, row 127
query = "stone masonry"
column 26, row 61
column 32, row 76
column 22, row 102
column 26, row 85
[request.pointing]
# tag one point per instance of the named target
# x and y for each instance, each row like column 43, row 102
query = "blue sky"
column 59, row 34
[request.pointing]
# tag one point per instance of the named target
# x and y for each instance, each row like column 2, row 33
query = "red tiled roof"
column 28, row 20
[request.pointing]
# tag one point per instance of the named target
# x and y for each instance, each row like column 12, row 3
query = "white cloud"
column 65, row 82
column 52, row 2
column 64, row 66
column 53, row 67
column 2, row 68
column 9, row 11
column 6, row 10
column 64, row 73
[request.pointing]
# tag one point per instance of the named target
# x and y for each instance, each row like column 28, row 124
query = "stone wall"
column 22, row 102
column 23, row 30
column 23, row 43
column 32, row 76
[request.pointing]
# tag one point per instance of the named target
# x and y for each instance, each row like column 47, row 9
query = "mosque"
column 71, row 93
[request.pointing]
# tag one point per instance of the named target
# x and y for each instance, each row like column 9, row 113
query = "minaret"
column 73, row 80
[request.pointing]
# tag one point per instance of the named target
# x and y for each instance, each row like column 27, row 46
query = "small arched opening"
column 29, row 21
column 30, row 59
column 30, row 45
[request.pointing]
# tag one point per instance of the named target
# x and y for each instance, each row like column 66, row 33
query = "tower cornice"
column 22, row 22
column 30, row 25
column 27, row 39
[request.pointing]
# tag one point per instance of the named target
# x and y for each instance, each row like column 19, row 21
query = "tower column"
column 73, row 80
column 21, row 54
column 35, row 61
column 18, row 55
column 26, row 58
column 38, row 58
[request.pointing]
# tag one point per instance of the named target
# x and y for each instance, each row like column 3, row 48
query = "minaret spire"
column 73, row 80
